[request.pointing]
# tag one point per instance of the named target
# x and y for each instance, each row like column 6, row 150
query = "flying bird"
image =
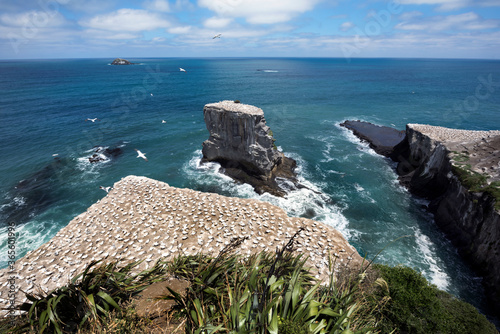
column 141, row 155
column 181, row 69
column 106, row 189
column 92, row 119
column 216, row 36
column 163, row 121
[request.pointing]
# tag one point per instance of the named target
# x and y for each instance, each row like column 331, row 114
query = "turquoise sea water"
column 44, row 104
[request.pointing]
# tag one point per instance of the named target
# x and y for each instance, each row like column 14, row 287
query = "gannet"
column 141, row 155
column 92, row 119
column 181, row 69
column 106, row 189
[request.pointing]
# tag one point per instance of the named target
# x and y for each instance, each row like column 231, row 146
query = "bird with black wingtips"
column 141, row 155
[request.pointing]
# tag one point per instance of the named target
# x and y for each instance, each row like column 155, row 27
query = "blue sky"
column 31, row 29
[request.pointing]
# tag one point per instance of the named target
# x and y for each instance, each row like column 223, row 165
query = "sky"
column 41, row 29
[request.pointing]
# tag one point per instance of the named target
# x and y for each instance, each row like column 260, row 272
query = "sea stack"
column 244, row 145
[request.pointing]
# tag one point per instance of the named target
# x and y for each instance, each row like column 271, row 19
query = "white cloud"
column 446, row 5
column 259, row 11
column 346, row 26
column 466, row 21
column 99, row 34
column 180, row 30
column 127, row 20
column 38, row 19
column 217, row 22
column 157, row 5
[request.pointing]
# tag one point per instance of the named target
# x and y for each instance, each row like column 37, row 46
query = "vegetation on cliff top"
column 261, row 293
column 472, row 180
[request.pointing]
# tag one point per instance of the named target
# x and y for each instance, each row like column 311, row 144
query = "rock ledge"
column 145, row 219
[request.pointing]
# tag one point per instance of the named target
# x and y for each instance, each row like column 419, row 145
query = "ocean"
column 46, row 178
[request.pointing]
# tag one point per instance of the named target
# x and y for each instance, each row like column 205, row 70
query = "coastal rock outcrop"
column 105, row 153
column 120, row 61
column 144, row 219
column 459, row 172
column 244, row 145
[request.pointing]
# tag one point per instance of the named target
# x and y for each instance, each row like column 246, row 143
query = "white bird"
column 141, row 155
column 55, row 154
column 163, row 121
column 181, row 69
column 106, row 189
column 151, row 94
column 92, row 119
column 216, row 36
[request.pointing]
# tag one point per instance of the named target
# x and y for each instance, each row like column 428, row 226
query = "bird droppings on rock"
column 155, row 208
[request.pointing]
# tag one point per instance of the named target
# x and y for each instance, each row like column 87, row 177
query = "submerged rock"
column 105, row 154
column 244, row 145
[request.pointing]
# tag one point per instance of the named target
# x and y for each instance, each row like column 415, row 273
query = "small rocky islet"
column 121, row 61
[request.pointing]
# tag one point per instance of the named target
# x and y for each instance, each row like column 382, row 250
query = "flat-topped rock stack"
column 244, row 145
column 145, row 219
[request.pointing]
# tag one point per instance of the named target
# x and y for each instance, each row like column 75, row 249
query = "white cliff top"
column 443, row 134
column 236, row 107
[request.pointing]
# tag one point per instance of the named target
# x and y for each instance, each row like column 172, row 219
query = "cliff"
column 459, row 172
column 244, row 145
column 145, row 219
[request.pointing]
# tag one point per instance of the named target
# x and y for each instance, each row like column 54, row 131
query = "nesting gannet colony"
column 145, row 219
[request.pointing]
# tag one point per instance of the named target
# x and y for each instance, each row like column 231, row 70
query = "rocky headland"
column 145, row 219
column 242, row 143
column 459, row 172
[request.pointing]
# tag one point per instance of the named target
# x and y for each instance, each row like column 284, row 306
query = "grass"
column 267, row 292
column 477, row 182
column 416, row 306
column 87, row 300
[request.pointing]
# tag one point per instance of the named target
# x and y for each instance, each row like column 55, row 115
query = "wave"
column 435, row 273
column 310, row 202
column 30, row 236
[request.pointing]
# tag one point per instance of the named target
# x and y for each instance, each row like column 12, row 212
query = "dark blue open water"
column 44, row 104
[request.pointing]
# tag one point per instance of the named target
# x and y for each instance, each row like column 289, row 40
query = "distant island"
column 120, row 61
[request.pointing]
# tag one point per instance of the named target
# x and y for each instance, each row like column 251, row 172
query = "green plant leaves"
column 89, row 296
column 258, row 294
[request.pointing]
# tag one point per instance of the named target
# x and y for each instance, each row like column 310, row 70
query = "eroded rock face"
column 426, row 159
column 243, row 144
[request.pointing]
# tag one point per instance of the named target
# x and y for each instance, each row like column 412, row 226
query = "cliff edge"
column 244, row 145
column 145, row 219
column 459, row 172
